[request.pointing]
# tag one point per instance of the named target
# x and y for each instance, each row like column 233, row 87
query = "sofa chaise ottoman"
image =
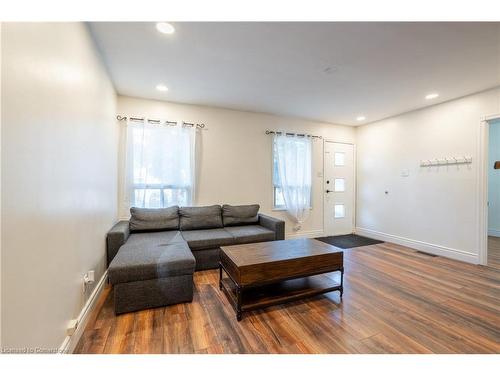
column 152, row 257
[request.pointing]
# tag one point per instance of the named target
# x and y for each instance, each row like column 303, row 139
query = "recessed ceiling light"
column 431, row 96
column 161, row 87
column 165, row 28
column 361, row 118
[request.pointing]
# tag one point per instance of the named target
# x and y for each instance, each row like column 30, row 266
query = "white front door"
column 339, row 188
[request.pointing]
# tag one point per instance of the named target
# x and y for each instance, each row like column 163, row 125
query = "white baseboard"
column 494, row 232
column 70, row 342
column 305, row 234
column 420, row 245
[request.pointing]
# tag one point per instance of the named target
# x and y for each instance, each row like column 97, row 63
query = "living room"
column 250, row 187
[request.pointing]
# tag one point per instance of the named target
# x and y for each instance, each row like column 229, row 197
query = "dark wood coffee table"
column 269, row 273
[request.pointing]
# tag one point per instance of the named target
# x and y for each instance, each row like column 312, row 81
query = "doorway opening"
column 493, row 177
column 339, row 188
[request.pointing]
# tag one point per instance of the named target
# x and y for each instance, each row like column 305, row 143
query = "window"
column 339, row 185
column 298, row 165
column 160, row 165
column 278, row 199
column 339, row 159
column 158, row 195
column 339, row 211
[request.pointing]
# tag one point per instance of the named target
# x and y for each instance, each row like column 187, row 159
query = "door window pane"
column 339, row 184
column 339, row 211
column 339, row 159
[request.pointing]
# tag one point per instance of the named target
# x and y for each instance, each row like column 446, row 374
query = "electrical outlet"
column 89, row 277
column 72, row 326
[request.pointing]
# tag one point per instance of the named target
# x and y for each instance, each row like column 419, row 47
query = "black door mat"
column 349, row 241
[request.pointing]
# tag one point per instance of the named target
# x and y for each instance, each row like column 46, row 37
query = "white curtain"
column 293, row 154
column 160, row 165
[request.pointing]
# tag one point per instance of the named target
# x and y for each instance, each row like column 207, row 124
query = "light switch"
column 405, row 173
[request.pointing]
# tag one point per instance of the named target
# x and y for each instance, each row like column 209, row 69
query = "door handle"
column 329, row 191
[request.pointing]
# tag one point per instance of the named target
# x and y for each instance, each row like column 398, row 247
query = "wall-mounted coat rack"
column 446, row 161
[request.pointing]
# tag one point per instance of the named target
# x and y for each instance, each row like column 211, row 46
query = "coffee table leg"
column 220, row 276
column 341, row 282
column 238, row 305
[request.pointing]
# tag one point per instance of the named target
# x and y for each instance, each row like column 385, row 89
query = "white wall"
column 59, row 177
column 0, row 187
column 494, row 180
column 236, row 158
column 433, row 209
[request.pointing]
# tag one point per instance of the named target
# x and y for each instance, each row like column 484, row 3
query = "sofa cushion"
column 240, row 215
column 207, row 238
column 147, row 256
column 250, row 233
column 200, row 217
column 144, row 219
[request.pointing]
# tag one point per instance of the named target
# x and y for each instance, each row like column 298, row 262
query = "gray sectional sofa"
column 152, row 257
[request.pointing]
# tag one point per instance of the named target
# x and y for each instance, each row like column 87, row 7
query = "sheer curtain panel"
column 293, row 154
column 160, row 165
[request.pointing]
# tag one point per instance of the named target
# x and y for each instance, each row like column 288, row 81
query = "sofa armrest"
column 276, row 225
column 115, row 238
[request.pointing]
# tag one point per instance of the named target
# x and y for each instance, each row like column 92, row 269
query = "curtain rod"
column 298, row 134
column 158, row 121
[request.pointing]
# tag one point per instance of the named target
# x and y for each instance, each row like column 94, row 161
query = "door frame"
column 355, row 182
column 482, row 186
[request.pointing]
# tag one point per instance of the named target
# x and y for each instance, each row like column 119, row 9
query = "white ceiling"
column 324, row 71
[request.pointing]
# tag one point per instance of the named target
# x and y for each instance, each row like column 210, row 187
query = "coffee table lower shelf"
column 257, row 297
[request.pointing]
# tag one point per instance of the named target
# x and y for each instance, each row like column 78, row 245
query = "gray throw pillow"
column 240, row 215
column 144, row 219
column 200, row 217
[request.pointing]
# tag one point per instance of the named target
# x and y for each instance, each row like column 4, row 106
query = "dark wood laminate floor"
column 494, row 252
column 395, row 301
